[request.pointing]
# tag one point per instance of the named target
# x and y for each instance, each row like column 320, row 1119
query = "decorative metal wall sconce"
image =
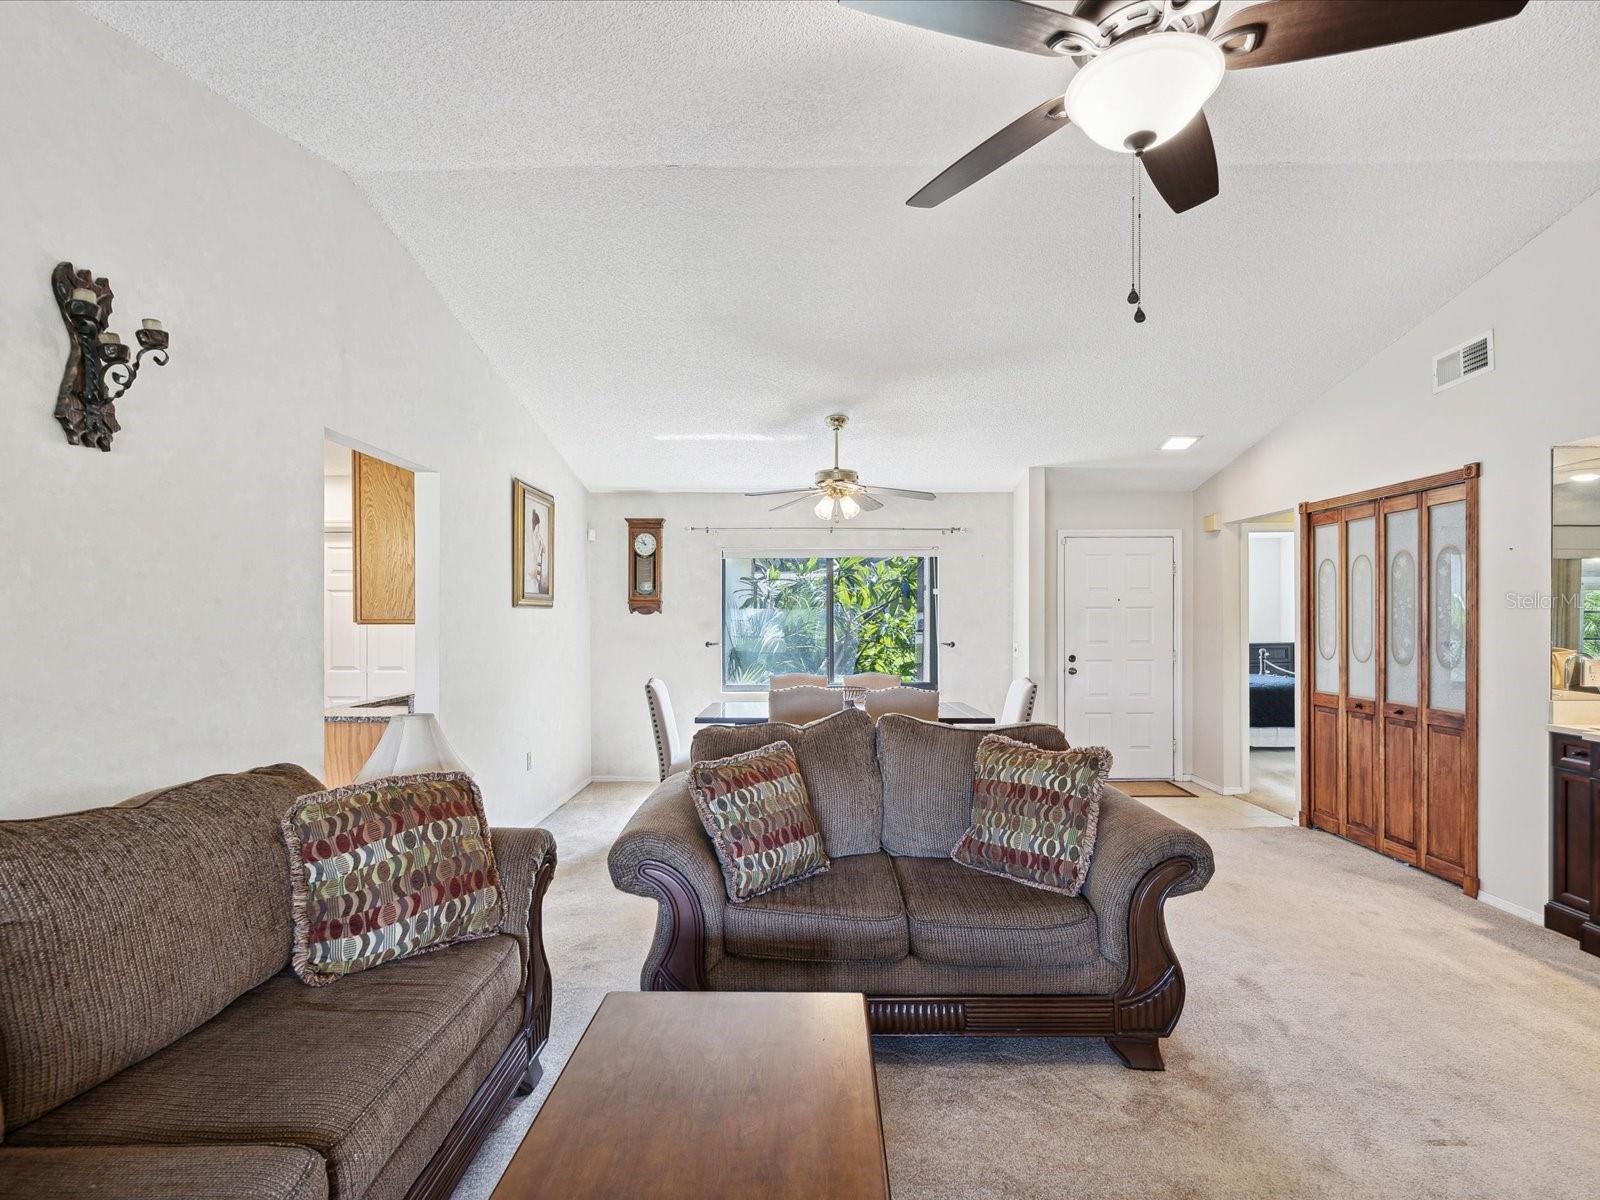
column 98, row 370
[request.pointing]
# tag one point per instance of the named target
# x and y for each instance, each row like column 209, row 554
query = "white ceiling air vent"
column 1463, row 362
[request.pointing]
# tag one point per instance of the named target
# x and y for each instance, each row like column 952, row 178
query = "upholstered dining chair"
column 914, row 702
column 803, row 704
column 872, row 680
column 670, row 754
column 796, row 680
column 1019, row 702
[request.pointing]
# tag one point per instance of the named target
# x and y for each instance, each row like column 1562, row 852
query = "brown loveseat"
column 152, row 1043
column 935, row 946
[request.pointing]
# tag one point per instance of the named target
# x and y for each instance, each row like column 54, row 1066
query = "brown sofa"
column 935, row 946
column 153, row 1044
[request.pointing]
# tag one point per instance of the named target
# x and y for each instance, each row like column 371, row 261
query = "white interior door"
column 344, row 643
column 1118, row 650
column 359, row 662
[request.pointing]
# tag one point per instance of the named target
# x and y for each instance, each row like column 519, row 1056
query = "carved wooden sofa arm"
column 663, row 854
column 526, row 860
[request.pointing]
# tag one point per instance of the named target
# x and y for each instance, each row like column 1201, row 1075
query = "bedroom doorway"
column 1272, row 616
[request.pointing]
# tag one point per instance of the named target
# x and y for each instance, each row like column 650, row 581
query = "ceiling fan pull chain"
column 1136, row 235
column 1133, row 251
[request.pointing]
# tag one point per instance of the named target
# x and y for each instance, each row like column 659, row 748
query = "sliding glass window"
column 828, row 615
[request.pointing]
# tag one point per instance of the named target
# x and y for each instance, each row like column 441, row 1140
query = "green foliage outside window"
column 777, row 617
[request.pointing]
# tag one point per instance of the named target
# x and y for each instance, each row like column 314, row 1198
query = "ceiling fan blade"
column 1010, row 23
column 1024, row 132
column 868, row 502
column 1184, row 167
column 781, row 492
column 791, row 503
column 1264, row 35
column 906, row 492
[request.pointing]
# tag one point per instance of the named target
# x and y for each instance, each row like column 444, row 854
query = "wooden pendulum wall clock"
column 644, row 564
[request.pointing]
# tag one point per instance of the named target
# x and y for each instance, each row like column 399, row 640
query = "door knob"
column 1072, row 670
column 952, row 645
column 1072, row 658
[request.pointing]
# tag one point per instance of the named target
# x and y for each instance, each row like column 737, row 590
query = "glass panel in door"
column 1361, row 548
column 1325, row 616
column 1400, row 573
column 1447, row 591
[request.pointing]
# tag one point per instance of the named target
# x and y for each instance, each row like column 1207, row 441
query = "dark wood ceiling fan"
column 1146, row 68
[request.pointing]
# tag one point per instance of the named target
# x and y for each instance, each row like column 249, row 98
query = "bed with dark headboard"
column 1272, row 672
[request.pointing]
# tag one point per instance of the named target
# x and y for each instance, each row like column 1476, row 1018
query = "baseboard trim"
column 1506, row 906
column 619, row 779
column 1212, row 787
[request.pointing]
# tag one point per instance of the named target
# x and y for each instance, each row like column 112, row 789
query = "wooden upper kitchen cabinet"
column 385, row 541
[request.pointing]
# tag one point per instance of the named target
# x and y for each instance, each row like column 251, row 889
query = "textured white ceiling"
column 702, row 205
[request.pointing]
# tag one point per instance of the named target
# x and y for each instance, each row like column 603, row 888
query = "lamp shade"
column 412, row 745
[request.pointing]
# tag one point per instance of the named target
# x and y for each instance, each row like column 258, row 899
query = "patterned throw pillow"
column 1034, row 813
column 756, row 809
column 387, row 869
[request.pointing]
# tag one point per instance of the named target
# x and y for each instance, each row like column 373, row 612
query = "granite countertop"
column 1588, row 733
column 370, row 711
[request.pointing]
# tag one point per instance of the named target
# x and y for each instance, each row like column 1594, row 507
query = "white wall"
column 1021, row 532
column 1383, row 424
column 161, row 603
column 1031, row 560
column 1271, row 587
column 975, row 609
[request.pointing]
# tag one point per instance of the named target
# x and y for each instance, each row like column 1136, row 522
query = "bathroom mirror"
column 1575, row 570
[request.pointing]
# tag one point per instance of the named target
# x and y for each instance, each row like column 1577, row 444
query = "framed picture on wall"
column 533, row 546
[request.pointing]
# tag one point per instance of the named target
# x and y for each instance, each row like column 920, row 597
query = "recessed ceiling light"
column 1585, row 477
column 1180, row 441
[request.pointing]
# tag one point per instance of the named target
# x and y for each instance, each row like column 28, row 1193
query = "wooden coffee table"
column 702, row 1095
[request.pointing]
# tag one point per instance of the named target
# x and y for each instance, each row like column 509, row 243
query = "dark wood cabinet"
column 1574, row 790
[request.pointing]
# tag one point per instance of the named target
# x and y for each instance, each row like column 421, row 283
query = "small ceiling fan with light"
column 1147, row 68
column 839, row 492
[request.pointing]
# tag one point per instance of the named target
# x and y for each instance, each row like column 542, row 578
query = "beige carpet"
column 1353, row 1029
column 1272, row 782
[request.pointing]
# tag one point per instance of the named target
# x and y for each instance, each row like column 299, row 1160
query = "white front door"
column 1118, row 650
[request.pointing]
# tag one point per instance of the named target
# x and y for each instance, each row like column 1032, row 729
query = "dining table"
column 754, row 712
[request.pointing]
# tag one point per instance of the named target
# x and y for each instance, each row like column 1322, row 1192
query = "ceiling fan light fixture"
column 837, row 506
column 1144, row 90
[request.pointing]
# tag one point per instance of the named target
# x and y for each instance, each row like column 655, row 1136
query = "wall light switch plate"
column 591, row 534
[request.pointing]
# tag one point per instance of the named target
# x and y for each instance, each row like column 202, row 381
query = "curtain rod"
column 829, row 530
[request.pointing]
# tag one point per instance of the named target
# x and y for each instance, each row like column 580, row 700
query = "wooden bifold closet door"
column 1389, row 706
